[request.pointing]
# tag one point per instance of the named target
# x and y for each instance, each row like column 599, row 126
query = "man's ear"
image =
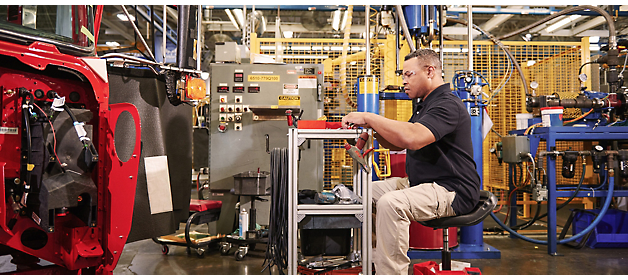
column 431, row 71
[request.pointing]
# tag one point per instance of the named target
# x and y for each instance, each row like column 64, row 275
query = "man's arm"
column 404, row 135
column 384, row 143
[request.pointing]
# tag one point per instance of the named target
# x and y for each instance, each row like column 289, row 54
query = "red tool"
column 355, row 151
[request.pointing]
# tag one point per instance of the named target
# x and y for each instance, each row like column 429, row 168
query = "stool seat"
column 487, row 203
column 198, row 205
column 484, row 207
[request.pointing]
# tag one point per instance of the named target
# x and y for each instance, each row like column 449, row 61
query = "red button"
column 222, row 109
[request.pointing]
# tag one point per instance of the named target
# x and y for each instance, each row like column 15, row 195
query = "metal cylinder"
column 368, row 94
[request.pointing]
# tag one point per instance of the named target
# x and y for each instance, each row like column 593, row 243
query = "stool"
column 484, row 207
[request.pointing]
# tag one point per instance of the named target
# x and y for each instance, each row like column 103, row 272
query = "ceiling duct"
column 258, row 22
column 314, row 20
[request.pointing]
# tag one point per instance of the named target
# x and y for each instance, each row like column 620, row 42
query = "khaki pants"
column 397, row 205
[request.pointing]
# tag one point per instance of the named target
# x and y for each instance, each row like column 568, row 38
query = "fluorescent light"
column 239, row 15
column 288, row 34
column 344, row 20
column 562, row 23
column 123, row 17
column 317, row 48
column 595, row 47
column 112, row 44
column 335, row 21
column 232, row 19
column 594, row 39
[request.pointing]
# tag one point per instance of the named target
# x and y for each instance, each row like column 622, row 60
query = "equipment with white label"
column 249, row 115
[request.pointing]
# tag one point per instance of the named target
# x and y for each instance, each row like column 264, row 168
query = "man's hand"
column 355, row 119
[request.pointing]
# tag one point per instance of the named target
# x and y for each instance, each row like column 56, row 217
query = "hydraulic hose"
column 609, row 20
column 502, row 46
column 607, row 203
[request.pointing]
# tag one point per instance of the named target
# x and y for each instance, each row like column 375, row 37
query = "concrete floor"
column 518, row 257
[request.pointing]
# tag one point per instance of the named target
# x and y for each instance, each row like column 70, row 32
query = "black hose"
column 582, row 66
column 497, row 42
column 537, row 217
column 277, row 249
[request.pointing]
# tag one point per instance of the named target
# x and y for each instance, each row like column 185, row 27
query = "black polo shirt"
column 449, row 160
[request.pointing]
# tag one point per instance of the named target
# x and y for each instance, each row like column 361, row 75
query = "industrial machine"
column 600, row 124
column 252, row 106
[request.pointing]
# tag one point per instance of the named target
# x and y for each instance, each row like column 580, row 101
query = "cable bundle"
column 277, row 250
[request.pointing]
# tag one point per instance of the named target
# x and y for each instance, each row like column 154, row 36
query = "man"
column 442, row 180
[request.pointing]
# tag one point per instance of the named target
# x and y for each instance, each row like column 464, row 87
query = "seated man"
column 442, row 179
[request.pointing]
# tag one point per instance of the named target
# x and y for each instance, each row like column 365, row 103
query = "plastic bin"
column 611, row 232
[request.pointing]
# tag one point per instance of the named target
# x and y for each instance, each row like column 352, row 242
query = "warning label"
column 263, row 78
column 289, row 100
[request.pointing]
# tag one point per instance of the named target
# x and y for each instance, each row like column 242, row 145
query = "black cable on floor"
column 277, row 249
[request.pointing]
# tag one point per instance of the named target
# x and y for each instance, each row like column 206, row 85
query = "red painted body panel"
column 73, row 245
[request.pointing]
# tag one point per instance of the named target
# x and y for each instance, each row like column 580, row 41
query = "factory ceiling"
column 318, row 22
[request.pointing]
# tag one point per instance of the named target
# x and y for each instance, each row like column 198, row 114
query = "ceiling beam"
column 588, row 25
column 123, row 31
column 570, row 23
column 545, row 25
column 496, row 20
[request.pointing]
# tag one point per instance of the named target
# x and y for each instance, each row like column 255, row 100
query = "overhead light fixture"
column 123, row 17
column 335, row 19
column 239, row 16
column 344, row 20
column 562, row 23
column 288, row 34
column 233, row 21
column 594, row 39
column 112, row 44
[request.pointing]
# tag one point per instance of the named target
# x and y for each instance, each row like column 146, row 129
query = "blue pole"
column 368, row 101
column 473, row 235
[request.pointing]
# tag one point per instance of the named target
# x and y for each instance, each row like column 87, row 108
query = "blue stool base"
column 463, row 251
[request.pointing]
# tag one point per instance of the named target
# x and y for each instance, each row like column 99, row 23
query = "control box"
column 514, row 148
column 248, row 108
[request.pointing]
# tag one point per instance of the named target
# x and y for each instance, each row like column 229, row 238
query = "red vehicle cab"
column 65, row 197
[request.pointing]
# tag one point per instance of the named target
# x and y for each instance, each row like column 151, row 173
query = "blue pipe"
column 607, row 203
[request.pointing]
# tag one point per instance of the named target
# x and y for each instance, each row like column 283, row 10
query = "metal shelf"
column 297, row 212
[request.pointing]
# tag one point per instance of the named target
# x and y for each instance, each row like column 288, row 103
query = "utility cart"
column 201, row 212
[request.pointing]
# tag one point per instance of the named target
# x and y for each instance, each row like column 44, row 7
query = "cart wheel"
column 165, row 250
column 239, row 255
column 224, row 249
column 200, row 252
column 252, row 246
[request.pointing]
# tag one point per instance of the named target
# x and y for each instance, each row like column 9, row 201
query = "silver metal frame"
column 362, row 187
